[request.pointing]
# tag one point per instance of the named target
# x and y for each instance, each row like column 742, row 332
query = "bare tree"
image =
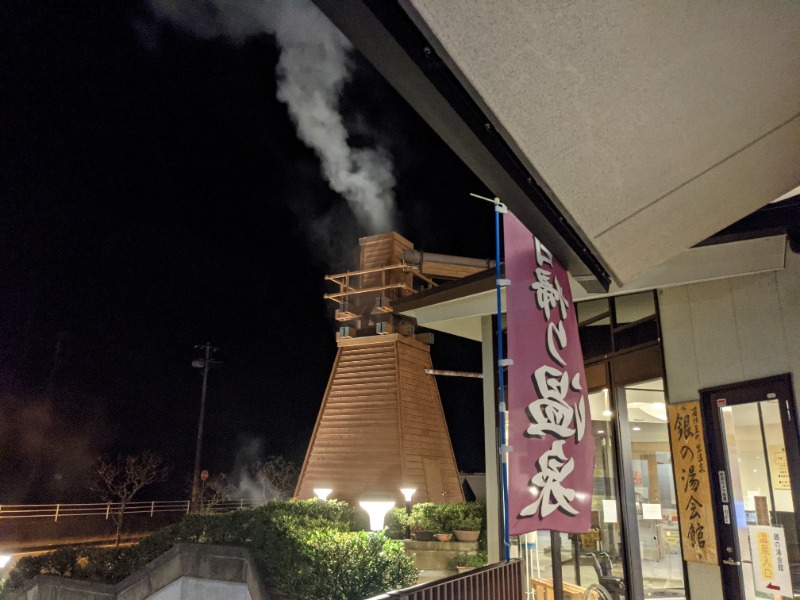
column 277, row 477
column 215, row 491
column 119, row 481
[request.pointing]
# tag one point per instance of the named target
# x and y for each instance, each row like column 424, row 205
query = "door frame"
column 778, row 387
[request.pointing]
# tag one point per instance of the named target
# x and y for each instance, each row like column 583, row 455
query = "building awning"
column 458, row 306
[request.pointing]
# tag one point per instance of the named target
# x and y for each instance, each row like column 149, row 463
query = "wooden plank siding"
column 425, row 433
column 381, row 418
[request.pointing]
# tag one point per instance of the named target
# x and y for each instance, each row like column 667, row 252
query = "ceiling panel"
column 653, row 124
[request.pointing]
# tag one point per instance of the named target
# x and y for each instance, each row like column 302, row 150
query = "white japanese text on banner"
column 551, row 467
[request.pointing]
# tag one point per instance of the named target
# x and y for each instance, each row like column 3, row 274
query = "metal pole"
column 558, row 580
column 498, row 210
column 196, row 475
column 408, row 515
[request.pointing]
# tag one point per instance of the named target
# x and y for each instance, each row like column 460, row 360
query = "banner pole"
column 500, row 208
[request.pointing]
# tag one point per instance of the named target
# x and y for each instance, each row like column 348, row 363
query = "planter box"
column 467, row 536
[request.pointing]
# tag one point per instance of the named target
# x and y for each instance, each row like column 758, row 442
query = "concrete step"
column 434, row 556
column 427, row 575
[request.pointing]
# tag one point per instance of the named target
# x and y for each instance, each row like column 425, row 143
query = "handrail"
column 58, row 511
column 499, row 581
column 346, row 290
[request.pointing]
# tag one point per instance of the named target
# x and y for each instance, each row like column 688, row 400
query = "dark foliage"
column 304, row 549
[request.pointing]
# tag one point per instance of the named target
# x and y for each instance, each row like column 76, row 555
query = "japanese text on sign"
column 551, row 467
column 692, row 483
column 770, row 561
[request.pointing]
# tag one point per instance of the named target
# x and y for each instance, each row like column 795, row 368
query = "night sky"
column 154, row 196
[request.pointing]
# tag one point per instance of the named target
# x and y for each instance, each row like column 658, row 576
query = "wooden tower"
column 381, row 426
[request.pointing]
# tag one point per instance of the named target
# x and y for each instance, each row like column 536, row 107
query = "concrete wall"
column 185, row 571
column 727, row 331
column 731, row 330
column 189, row 588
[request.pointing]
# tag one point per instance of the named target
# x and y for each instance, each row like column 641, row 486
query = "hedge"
column 446, row 518
column 305, row 549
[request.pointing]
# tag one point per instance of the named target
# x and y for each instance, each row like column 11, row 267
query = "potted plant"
column 468, row 522
column 421, row 521
column 464, row 561
column 444, row 517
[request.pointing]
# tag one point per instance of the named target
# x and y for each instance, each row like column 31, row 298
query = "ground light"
column 323, row 493
column 4, row 558
column 377, row 511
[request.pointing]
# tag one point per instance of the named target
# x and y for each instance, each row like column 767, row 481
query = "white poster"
column 770, row 561
column 651, row 511
column 609, row 511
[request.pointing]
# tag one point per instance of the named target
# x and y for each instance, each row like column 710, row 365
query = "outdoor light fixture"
column 4, row 558
column 408, row 493
column 377, row 511
column 323, row 493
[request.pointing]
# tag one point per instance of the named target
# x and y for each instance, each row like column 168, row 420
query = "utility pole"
column 205, row 364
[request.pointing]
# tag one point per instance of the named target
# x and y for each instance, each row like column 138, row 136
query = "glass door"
column 754, row 448
column 653, row 484
column 597, row 555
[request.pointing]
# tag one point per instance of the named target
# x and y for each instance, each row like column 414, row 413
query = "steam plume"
column 311, row 72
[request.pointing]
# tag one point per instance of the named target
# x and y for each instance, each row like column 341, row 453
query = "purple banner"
column 551, row 466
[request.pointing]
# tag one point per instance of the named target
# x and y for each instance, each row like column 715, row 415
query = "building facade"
column 623, row 137
column 646, row 352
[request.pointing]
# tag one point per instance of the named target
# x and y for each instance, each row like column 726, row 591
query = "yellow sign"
column 698, row 535
column 765, row 555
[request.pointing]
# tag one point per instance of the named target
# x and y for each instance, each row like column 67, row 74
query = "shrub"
column 347, row 566
column 396, row 522
column 450, row 517
column 446, row 518
column 464, row 559
column 304, row 549
column 423, row 517
column 470, row 516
